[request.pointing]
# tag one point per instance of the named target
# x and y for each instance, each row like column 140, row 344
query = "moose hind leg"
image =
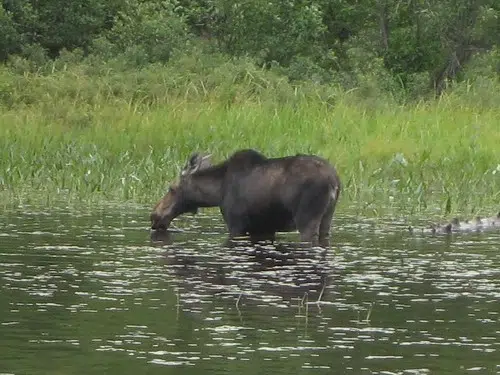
column 325, row 225
column 309, row 232
column 310, row 211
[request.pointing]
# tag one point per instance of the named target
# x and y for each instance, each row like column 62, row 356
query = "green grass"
column 82, row 137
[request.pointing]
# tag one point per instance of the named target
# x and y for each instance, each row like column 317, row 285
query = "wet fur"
column 260, row 196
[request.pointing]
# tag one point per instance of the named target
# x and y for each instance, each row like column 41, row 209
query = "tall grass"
column 78, row 134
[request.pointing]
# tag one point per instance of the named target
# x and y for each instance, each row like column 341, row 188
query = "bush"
column 146, row 32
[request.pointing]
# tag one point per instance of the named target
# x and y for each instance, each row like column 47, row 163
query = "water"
column 90, row 293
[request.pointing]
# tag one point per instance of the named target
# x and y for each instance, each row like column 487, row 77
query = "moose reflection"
column 257, row 196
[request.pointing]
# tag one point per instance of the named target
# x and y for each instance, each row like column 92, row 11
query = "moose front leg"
column 234, row 232
column 235, row 226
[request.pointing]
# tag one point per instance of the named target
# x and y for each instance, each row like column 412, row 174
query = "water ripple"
column 380, row 301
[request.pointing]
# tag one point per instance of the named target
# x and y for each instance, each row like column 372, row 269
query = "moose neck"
column 205, row 187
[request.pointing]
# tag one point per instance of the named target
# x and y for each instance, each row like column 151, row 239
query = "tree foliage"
column 403, row 41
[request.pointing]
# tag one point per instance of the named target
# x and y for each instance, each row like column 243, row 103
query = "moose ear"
column 195, row 163
column 205, row 162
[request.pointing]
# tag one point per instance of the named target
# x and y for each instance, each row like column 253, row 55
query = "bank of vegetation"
column 104, row 100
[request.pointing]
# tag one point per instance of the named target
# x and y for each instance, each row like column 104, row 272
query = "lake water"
column 91, row 293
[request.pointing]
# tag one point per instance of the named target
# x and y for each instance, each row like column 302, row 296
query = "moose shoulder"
column 257, row 196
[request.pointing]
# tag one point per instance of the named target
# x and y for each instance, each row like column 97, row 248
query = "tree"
column 10, row 39
column 56, row 24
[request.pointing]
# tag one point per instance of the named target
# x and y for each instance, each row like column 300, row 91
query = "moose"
column 257, row 196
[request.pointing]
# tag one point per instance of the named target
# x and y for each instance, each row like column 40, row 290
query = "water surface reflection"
column 92, row 292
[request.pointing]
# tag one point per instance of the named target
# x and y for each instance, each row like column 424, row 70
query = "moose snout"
column 156, row 221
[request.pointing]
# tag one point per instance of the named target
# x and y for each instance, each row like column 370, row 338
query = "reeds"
column 123, row 136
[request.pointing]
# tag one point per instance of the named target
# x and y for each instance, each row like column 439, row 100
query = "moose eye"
column 171, row 189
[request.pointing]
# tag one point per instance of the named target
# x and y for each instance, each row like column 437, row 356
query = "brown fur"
column 258, row 196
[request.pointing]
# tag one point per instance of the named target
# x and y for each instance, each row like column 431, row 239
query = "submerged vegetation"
column 113, row 114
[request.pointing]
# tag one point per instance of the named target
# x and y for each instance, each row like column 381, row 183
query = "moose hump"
column 257, row 196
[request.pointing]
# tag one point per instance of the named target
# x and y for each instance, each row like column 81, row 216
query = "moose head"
column 183, row 196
